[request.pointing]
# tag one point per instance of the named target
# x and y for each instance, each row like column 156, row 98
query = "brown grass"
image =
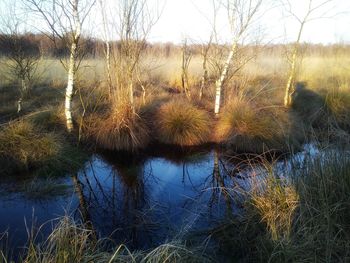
column 276, row 207
column 180, row 123
column 119, row 129
column 23, row 146
column 246, row 128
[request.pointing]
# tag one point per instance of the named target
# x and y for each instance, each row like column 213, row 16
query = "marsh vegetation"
column 122, row 150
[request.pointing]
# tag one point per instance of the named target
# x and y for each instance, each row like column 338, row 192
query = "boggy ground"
column 301, row 218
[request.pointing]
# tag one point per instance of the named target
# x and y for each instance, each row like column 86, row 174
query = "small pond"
column 137, row 201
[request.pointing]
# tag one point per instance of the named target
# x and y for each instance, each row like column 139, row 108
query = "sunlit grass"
column 25, row 147
column 73, row 242
column 302, row 216
column 247, row 128
column 120, row 129
column 183, row 124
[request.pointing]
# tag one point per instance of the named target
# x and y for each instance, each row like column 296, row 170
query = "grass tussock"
column 24, row 147
column 304, row 219
column 71, row 242
column 245, row 128
column 276, row 206
column 68, row 242
column 181, row 123
column 121, row 130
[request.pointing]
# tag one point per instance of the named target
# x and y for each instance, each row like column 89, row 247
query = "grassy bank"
column 72, row 242
column 26, row 147
column 252, row 117
column 302, row 219
column 300, row 216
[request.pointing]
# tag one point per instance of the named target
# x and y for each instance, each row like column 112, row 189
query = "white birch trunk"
column 70, row 89
column 204, row 77
column 222, row 78
column 290, row 83
column 19, row 105
column 289, row 87
column 71, row 67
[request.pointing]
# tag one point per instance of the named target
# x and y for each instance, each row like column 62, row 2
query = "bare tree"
column 135, row 20
column 205, row 75
column 65, row 19
column 240, row 15
column 313, row 7
column 206, row 48
column 107, row 49
column 185, row 63
column 21, row 51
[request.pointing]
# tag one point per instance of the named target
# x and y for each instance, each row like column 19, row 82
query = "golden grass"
column 49, row 118
column 120, row 129
column 25, row 146
column 246, row 128
column 71, row 242
column 276, row 206
column 180, row 123
column 302, row 216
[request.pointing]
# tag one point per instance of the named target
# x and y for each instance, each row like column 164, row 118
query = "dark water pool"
column 140, row 202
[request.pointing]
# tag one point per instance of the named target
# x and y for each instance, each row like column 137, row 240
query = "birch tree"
column 240, row 16
column 65, row 19
column 312, row 8
column 134, row 22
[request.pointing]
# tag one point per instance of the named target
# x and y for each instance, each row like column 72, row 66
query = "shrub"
column 246, row 128
column 181, row 123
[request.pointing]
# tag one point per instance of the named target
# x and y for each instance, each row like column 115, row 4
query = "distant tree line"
column 41, row 45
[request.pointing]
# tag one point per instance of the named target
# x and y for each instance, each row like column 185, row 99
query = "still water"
column 137, row 201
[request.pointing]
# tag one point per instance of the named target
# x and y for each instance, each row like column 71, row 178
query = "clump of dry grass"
column 121, row 129
column 246, row 128
column 22, row 146
column 267, row 221
column 73, row 242
column 180, row 123
column 68, row 242
column 276, row 206
column 302, row 216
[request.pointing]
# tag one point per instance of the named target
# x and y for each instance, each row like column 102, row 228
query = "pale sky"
column 189, row 18
column 193, row 19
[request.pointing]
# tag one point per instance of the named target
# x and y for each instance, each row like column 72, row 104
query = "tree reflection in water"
column 142, row 202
